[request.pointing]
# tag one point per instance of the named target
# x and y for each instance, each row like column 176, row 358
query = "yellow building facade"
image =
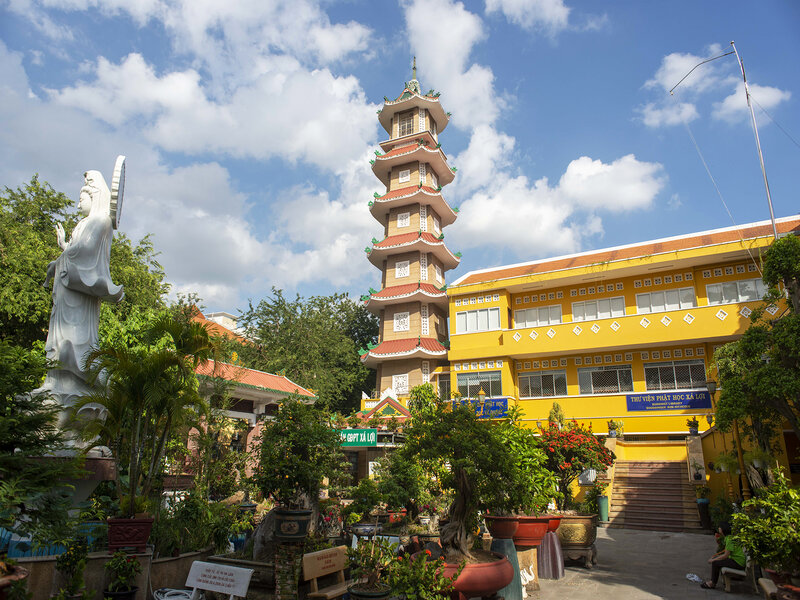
column 625, row 334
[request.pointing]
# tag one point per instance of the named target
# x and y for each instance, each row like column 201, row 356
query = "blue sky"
column 249, row 124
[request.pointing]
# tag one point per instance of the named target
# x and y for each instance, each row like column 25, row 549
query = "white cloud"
column 671, row 114
column 550, row 16
column 488, row 152
column 675, row 66
column 734, row 108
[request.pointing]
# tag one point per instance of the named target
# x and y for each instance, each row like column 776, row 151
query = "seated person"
column 731, row 556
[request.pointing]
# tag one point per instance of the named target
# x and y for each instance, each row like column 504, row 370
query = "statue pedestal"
column 513, row 591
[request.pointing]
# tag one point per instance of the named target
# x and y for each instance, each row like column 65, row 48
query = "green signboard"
column 359, row 437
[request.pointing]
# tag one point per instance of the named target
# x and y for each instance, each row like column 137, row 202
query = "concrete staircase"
column 655, row 496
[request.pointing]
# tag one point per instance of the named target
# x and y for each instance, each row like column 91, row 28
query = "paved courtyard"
column 639, row 565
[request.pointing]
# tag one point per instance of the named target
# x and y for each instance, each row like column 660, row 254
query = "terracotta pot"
column 577, row 531
column 778, row 577
column 502, row 528
column 554, row 522
column 480, row 579
column 531, row 530
column 395, row 516
column 291, row 524
column 787, row 591
column 18, row 574
column 129, row 533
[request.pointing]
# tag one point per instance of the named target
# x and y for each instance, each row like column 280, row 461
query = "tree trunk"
column 455, row 535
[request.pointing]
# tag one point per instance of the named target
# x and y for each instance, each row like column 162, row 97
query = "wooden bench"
column 316, row 565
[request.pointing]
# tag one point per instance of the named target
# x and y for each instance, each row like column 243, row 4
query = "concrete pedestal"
column 513, row 591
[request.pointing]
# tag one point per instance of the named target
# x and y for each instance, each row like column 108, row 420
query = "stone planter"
column 129, row 533
column 171, row 571
column 262, row 583
column 531, row 530
column 502, row 528
column 577, row 531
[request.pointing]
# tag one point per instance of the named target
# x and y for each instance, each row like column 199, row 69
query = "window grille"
column 404, row 176
column 469, row 384
column 422, row 119
column 406, row 124
column 543, row 384
column 401, row 269
column 423, row 217
column 422, row 172
column 423, row 313
column 403, row 219
column 401, row 321
column 444, row 386
column 677, row 375
column 423, row 266
column 426, row 371
column 400, row 383
column 605, row 380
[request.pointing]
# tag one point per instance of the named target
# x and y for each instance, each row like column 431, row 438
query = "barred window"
column 536, row 317
column 746, row 290
column 605, row 380
column 469, row 384
column 677, row 375
column 407, row 124
column 543, row 384
column 444, row 386
column 667, row 300
column 598, row 309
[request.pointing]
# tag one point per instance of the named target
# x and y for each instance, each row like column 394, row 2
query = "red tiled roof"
column 406, row 191
column 406, row 238
column 400, row 150
column 410, row 288
column 709, row 238
column 215, row 328
column 404, row 414
column 251, row 377
column 407, row 345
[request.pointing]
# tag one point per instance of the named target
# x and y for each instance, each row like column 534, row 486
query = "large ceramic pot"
column 129, row 533
column 502, row 528
column 358, row 593
column 577, row 531
column 129, row 594
column 480, row 579
column 787, row 591
column 554, row 522
column 18, row 574
column 291, row 525
column 531, row 530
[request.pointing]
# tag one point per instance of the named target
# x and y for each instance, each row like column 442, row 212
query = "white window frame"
column 423, row 266
column 530, row 317
column 439, row 276
column 541, row 374
column 401, row 321
column 758, row 283
column 403, row 220
column 648, row 302
column 401, row 269
column 598, row 368
column 404, row 176
column 405, row 125
column 437, row 226
column 434, row 180
column 613, row 313
column 699, row 365
column 482, row 319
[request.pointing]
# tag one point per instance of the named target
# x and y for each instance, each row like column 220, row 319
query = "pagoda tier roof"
column 425, row 137
column 411, row 292
column 380, row 207
column 382, row 165
column 408, row 100
column 404, row 349
column 420, row 241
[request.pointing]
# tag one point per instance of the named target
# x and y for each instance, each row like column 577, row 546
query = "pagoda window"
column 403, row 219
column 433, row 131
column 404, row 176
column 401, row 321
column 437, row 227
column 426, row 371
column 401, row 269
column 422, row 172
column 422, row 119
column 406, row 124
column 423, row 266
column 423, row 313
column 400, row 383
column 434, row 181
column 423, row 217
column 438, row 273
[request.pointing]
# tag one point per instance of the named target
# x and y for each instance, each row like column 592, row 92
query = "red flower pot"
column 397, row 515
column 554, row 522
column 531, row 530
column 502, row 528
column 480, row 579
column 129, row 533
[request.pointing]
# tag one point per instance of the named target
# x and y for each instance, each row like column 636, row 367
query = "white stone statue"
column 81, row 280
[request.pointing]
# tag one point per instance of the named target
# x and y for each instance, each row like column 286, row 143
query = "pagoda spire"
column 414, row 69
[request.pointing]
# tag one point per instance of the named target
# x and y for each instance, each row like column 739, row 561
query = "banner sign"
column 359, row 437
column 668, row 400
column 493, row 408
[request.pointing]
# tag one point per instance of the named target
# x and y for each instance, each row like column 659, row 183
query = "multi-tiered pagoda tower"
column 412, row 256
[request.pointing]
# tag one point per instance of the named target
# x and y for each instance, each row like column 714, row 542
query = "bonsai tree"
column 370, row 563
column 399, row 482
column 298, row 449
column 479, row 464
column 767, row 527
column 570, row 451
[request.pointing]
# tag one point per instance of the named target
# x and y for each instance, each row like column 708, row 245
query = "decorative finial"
column 414, row 69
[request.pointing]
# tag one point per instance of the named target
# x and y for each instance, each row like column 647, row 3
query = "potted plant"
column 422, row 577
column 767, row 528
column 758, row 457
column 123, row 570
column 703, row 492
column 693, row 424
column 298, row 449
column 70, row 566
column 614, row 427
column 370, row 562
column 451, row 433
column 697, row 469
column 726, row 462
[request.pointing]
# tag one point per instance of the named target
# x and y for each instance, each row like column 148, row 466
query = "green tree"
column 315, row 342
column 760, row 372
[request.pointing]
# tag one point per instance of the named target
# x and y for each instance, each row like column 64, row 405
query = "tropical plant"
column 702, row 491
column 298, row 449
column 479, row 464
column 370, row 562
column 727, row 461
column 400, row 481
column 692, row 423
column 590, row 503
column 570, row 451
column 767, row 527
column 614, row 425
column 123, row 569
column 757, row 455
column 421, row 577
column 366, row 498
column 70, row 566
